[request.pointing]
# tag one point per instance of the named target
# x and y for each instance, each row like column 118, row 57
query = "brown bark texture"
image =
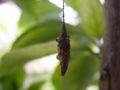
column 110, row 71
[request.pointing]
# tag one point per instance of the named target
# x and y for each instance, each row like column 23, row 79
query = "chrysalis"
column 63, row 47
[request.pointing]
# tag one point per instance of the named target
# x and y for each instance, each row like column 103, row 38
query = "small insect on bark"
column 63, row 47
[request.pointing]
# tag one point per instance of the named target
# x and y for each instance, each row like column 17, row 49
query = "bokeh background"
column 28, row 29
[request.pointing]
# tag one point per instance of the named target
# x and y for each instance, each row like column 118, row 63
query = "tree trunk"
column 110, row 71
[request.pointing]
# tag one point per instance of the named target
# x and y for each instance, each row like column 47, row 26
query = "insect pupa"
column 63, row 47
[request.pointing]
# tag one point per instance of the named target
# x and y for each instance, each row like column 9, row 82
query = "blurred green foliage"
column 39, row 26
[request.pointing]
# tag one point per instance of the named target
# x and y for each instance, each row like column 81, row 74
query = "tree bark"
column 110, row 68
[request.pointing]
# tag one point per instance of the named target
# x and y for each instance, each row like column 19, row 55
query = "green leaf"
column 44, row 32
column 75, row 4
column 27, row 21
column 13, row 81
column 35, row 11
column 36, row 86
column 91, row 12
column 16, row 58
column 19, row 76
column 37, row 8
column 80, row 73
column 40, row 33
column 3, row 52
